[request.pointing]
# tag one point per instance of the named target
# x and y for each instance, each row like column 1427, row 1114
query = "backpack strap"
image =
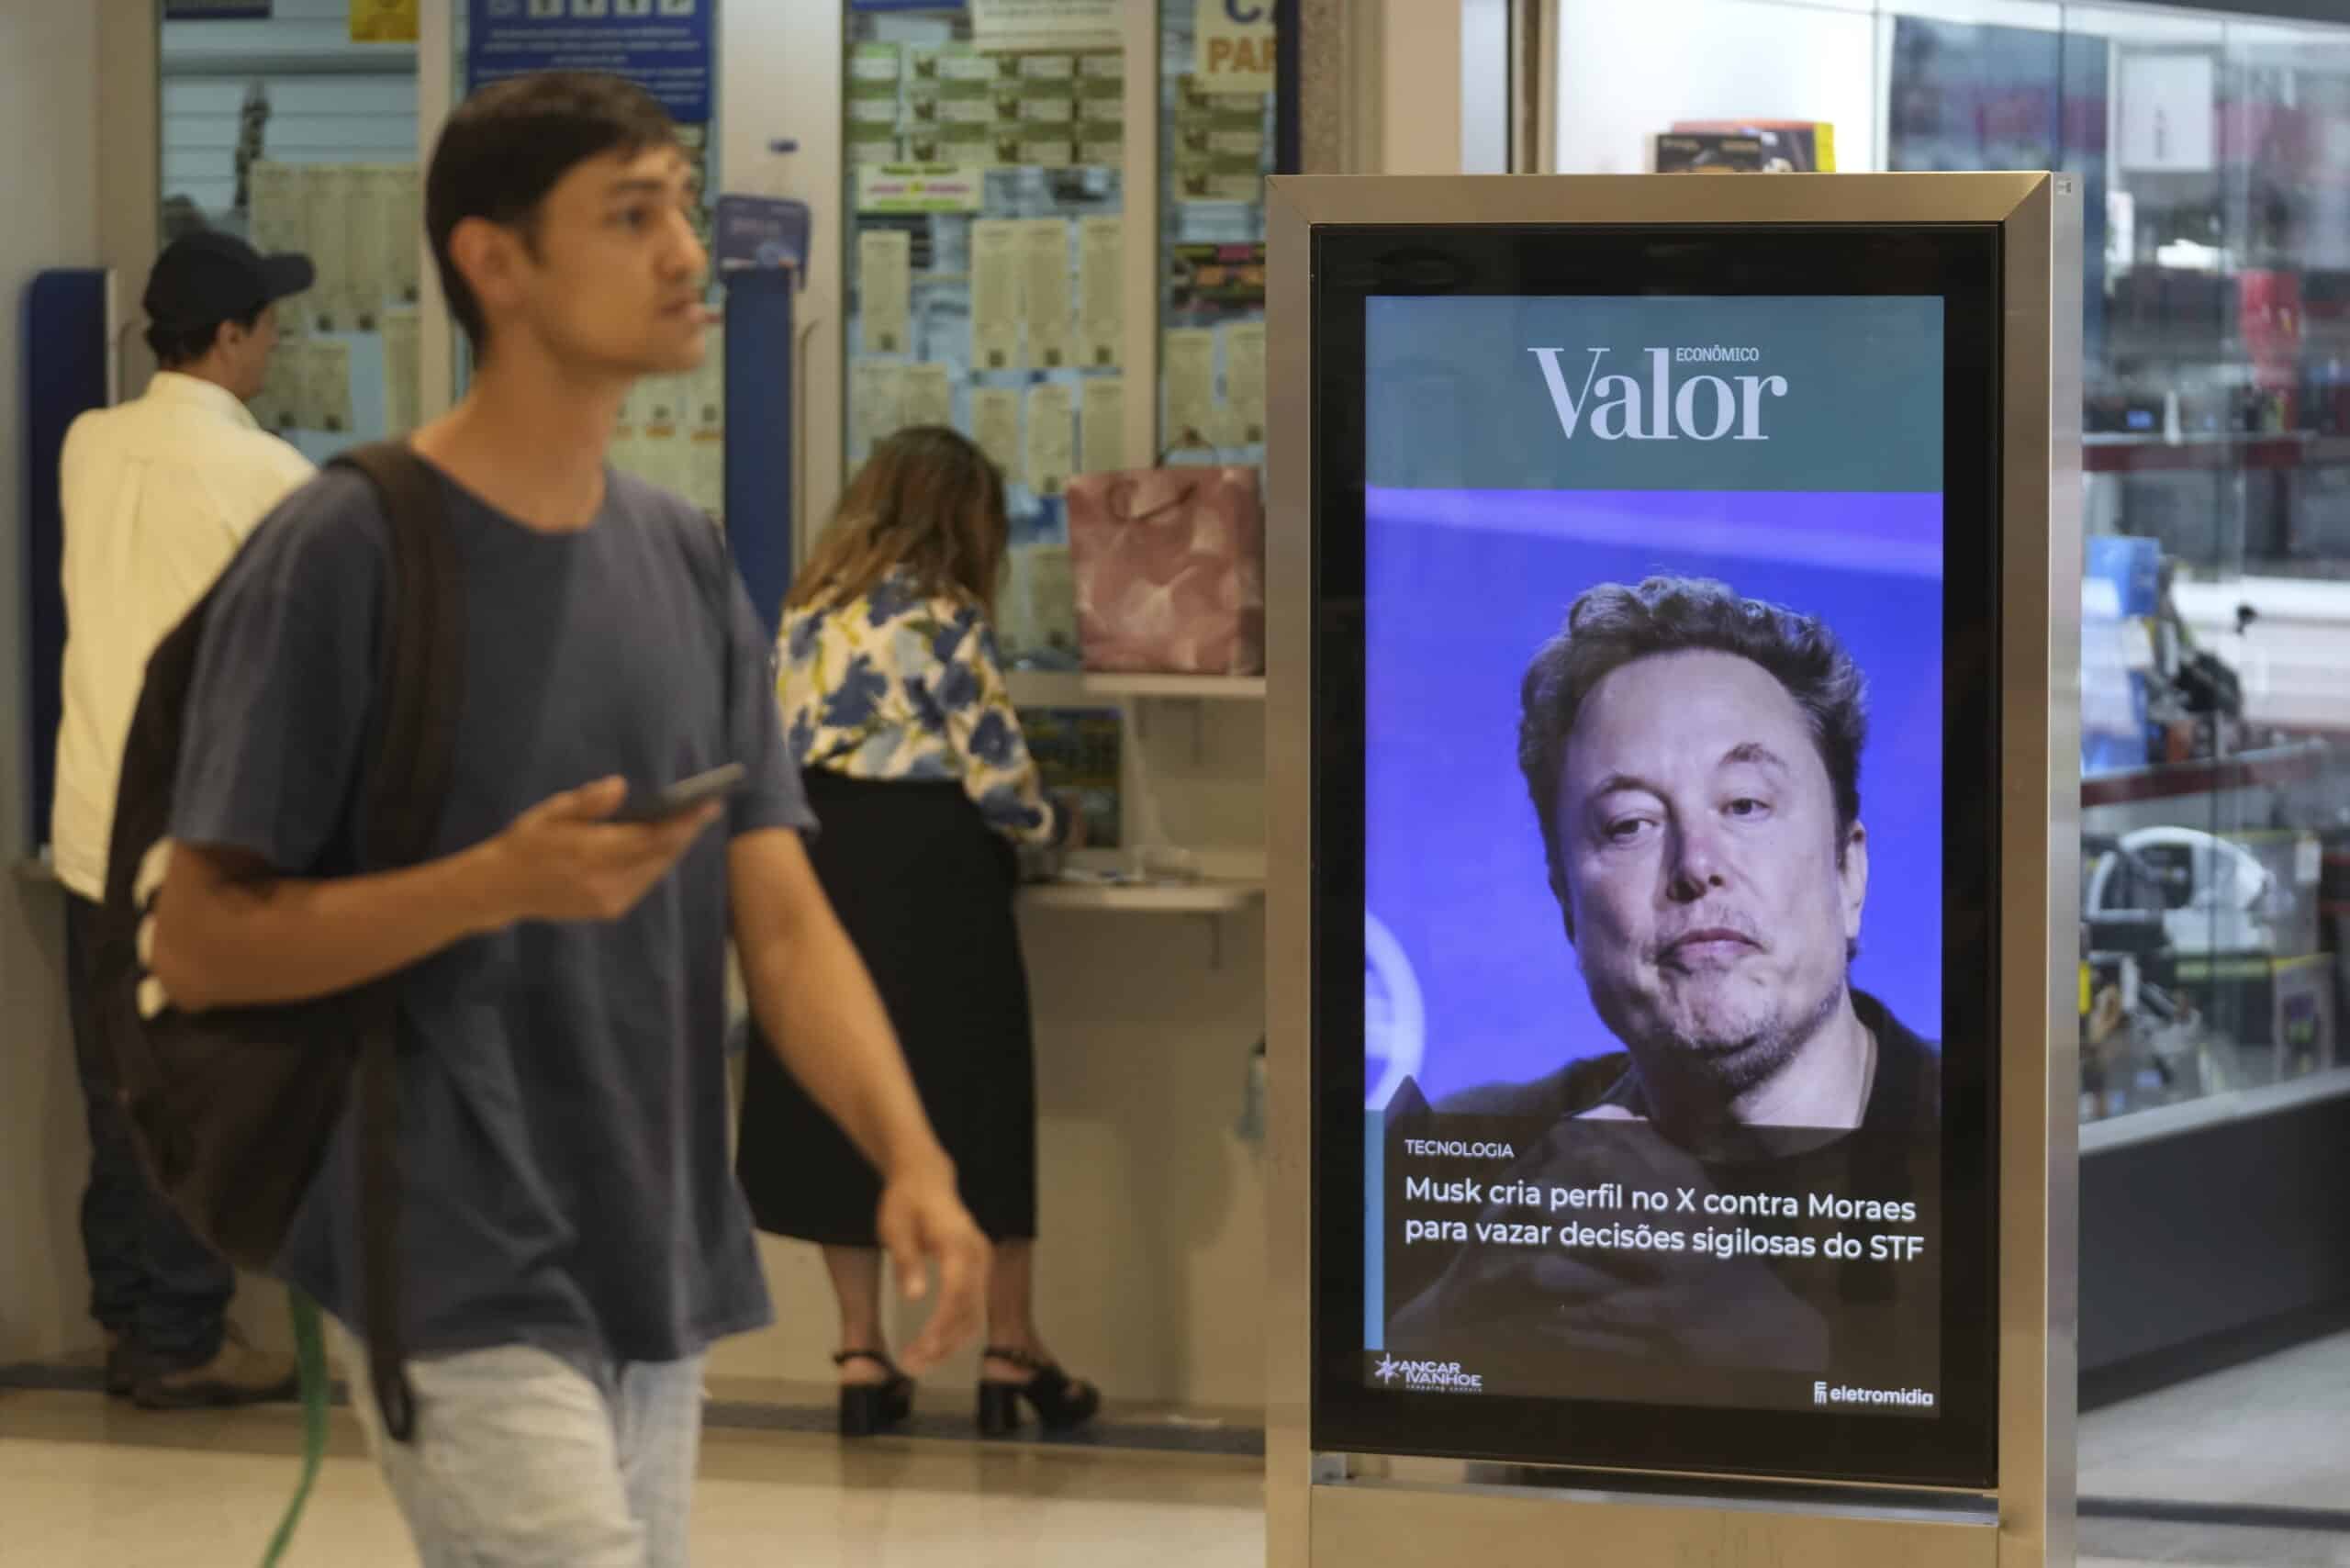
column 423, row 655
column 421, row 658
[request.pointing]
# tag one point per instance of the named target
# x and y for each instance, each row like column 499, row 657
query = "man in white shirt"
column 157, row 493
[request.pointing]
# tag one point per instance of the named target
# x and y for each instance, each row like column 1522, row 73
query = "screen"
column 1655, row 846
column 1653, row 849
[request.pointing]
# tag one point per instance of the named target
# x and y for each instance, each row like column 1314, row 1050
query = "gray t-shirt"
column 563, row 1094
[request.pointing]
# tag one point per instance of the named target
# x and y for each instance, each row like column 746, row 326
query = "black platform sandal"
column 869, row 1408
column 1061, row 1401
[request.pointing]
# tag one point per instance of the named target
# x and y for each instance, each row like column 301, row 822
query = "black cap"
column 208, row 277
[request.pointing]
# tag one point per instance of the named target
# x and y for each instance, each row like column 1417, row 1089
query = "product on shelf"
column 1790, row 146
column 1708, row 153
column 1079, row 751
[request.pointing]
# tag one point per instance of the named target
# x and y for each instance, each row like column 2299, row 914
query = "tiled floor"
column 2205, row 1546
column 87, row 1484
column 2275, row 1432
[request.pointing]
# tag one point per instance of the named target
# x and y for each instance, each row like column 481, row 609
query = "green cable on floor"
column 310, row 1351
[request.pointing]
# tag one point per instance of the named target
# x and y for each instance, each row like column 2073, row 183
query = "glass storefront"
column 2215, row 156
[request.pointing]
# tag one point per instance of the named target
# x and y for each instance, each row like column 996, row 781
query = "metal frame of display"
column 1368, row 1511
column 2259, row 10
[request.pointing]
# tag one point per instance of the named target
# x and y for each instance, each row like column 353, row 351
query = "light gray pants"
column 523, row 1459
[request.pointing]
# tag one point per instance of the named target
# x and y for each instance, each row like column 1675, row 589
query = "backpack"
column 232, row 1110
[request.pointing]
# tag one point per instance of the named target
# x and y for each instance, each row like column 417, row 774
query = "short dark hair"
column 178, row 347
column 510, row 144
column 1613, row 625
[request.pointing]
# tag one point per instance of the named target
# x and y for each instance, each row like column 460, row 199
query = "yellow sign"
column 1234, row 40
column 383, row 21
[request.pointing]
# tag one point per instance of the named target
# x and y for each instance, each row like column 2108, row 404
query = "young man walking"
column 157, row 493
column 574, row 1239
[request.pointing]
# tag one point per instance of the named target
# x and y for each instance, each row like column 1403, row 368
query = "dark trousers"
column 152, row 1281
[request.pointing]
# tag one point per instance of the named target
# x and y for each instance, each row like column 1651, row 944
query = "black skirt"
column 924, row 888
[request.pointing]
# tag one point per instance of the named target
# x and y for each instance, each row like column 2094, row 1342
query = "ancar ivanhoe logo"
column 1617, row 407
column 1439, row 1376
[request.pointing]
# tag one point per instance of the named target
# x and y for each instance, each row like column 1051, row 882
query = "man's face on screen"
column 1712, row 912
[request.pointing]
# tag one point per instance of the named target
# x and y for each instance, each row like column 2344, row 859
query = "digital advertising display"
column 1674, row 668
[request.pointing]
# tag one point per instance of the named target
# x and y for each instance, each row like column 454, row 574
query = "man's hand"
column 230, row 932
column 920, row 1221
column 564, row 859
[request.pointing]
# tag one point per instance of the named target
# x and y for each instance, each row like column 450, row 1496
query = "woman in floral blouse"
column 913, row 759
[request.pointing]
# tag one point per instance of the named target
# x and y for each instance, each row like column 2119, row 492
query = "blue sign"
column 663, row 46
column 760, row 348
column 762, row 231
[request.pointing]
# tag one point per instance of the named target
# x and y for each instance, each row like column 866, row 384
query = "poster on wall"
column 1101, row 421
column 1187, row 355
column 1654, row 1006
column 403, row 370
column 1101, row 263
column 885, row 289
column 1044, row 252
column 1050, row 455
column 995, row 426
column 383, row 21
column 1234, row 46
column 278, row 216
column 996, row 292
column 999, row 26
column 1244, row 384
column 663, row 46
column 921, row 189
column 1218, row 273
column 325, row 192
column 929, row 394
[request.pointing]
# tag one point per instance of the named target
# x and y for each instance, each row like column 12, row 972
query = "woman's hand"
column 1069, row 809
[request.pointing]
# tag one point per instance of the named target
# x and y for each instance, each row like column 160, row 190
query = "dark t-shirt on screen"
column 562, row 1086
column 1616, row 1324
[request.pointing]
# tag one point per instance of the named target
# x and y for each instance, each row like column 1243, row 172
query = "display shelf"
column 2118, row 451
column 2180, row 780
column 362, row 59
column 1062, row 689
column 1233, row 688
column 2226, row 438
column 1160, row 898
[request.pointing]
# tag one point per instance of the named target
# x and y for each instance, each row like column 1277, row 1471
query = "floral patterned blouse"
column 897, row 685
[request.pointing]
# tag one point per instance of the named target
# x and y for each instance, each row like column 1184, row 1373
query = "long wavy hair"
column 928, row 501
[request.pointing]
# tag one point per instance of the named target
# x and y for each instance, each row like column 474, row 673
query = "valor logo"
column 1702, row 408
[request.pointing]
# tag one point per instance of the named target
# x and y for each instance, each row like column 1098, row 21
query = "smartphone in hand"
column 684, row 796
